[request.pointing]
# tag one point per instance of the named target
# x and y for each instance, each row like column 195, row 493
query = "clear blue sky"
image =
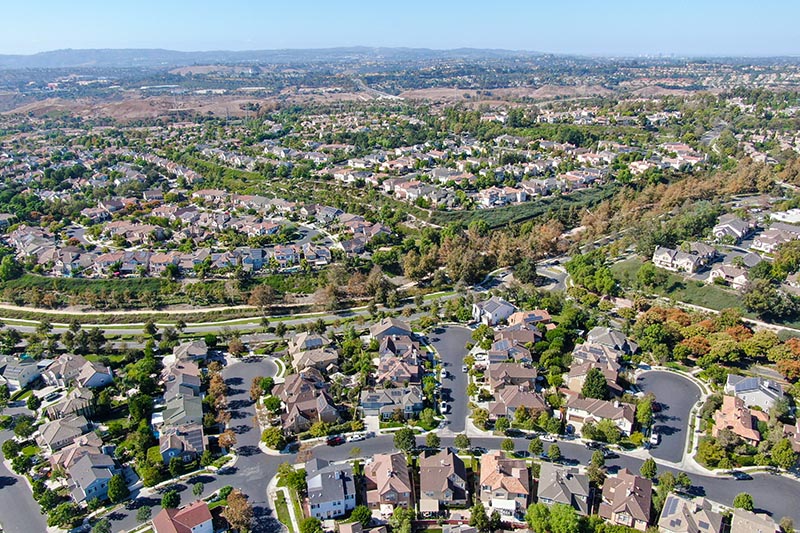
column 597, row 27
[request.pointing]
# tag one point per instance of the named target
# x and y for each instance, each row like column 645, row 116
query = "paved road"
column 19, row 513
column 677, row 395
column 451, row 342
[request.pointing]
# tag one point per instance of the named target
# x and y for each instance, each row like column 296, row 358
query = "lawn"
column 282, row 511
column 30, row 451
column 679, row 289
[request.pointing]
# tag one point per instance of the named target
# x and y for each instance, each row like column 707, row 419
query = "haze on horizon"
column 612, row 27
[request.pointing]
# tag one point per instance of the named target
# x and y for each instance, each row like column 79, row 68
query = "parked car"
column 355, row 437
column 464, row 369
column 654, row 438
column 336, row 440
column 547, row 438
column 593, row 445
column 741, row 476
column 610, row 454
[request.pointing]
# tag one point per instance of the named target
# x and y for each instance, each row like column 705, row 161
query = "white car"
column 654, row 438
column 464, row 369
column 547, row 438
column 444, row 407
column 355, row 437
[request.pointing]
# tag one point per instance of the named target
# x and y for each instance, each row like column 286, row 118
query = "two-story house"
column 442, row 480
column 331, row 489
column 388, row 483
column 564, row 485
column 505, row 484
column 626, row 500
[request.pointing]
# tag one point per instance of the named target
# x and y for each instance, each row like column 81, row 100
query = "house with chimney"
column 331, row 489
column 581, row 410
column 492, row 311
column 564, row 485
column 626, row 500
column 505, row 484
column 754, row 391
column 193, row 518
column 388, row 483
column 736, row 417
column 442, row 481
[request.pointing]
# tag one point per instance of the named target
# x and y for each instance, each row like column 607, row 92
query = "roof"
column 627, row 493
column 182, row 520
column 602, row 409
column 435, row 471
column 63, row 429
column 382, row 327
column 750, row 522
column 389, row 472
column 496, row 304
column 329, row 482
column 561, row 484
column 90, row 468
column 612, row 338
column 681, row 515
column 500, row 472
column 742, row 385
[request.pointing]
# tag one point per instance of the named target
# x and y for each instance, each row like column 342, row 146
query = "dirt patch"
column 543, row 92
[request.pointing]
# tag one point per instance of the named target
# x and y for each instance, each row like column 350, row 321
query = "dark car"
column 608, row 454
column 741, row 476
column 335, row 441
column 595, row 445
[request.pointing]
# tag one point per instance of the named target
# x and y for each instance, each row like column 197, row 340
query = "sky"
column 587, row 27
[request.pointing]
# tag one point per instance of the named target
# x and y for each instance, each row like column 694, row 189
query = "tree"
column 64, row 515
column 9, row 268
column 310, row 525
column 24, row 427
column 683, row 481
column 649, row 469
column 227, row 439
column 235, row 347
column 595, row 385
column 143, row 514
column 644, row 411
column 198, row 488
column 535, row 447
column 554, row 452
column 432, row 440
column 117, row 489
column 11, row 449
column 478, row 518
column 783, row 455
column 238, row 512
column 787, row 525
column 564, row 519
column 743, row 501
column 207, row 458
column 598, row 459
column 33, row 402
column 273, row 438
column 404, row 440
column 507, row 445
column 103, row 526
column 461, row 442
column 538, row 517
column 171, row 499
column 502, row 424
column 362, row 514
column 175, row 466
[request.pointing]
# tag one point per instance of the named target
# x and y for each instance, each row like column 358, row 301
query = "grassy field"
column 502, row 216
column 282, row 511
column 679, row 289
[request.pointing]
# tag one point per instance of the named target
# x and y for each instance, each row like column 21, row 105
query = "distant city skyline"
column 585, row 27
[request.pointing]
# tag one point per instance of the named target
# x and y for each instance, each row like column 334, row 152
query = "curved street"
column 676, row 395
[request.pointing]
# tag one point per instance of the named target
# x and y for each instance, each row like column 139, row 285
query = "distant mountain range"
column 157, row 58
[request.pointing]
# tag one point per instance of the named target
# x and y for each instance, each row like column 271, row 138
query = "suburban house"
column 511, row 374
column 306, row 400
column 682, row 515
column 564, row 485
column 90, row 476
column 388, row 483
column 306, row 341
column 70, row 368
column 579, row 369
column 193, row 518
column 61, row 432
column 505, row 484
column 731, row 227
column 792, row 432
column 323, row 358
column 626, row 500
column 733, row 415
column 389, row 327
column 529, row 318
column 192, row 351
column 505, row 350
column 186, row 442
column 331, row 489
column 183, row 409
column 509, row 399
column 612, row 338
column 732, row 275
column 749, row 522
column 675, row 260
column 492, row 311
column 442, row 481
column 19, row 374
column 386, row 402
column 754, row 391
column 582, row 410
column 78, row 401
column 403, row 370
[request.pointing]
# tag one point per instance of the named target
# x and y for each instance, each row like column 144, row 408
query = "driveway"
column 677, row 395
column 451, row 342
